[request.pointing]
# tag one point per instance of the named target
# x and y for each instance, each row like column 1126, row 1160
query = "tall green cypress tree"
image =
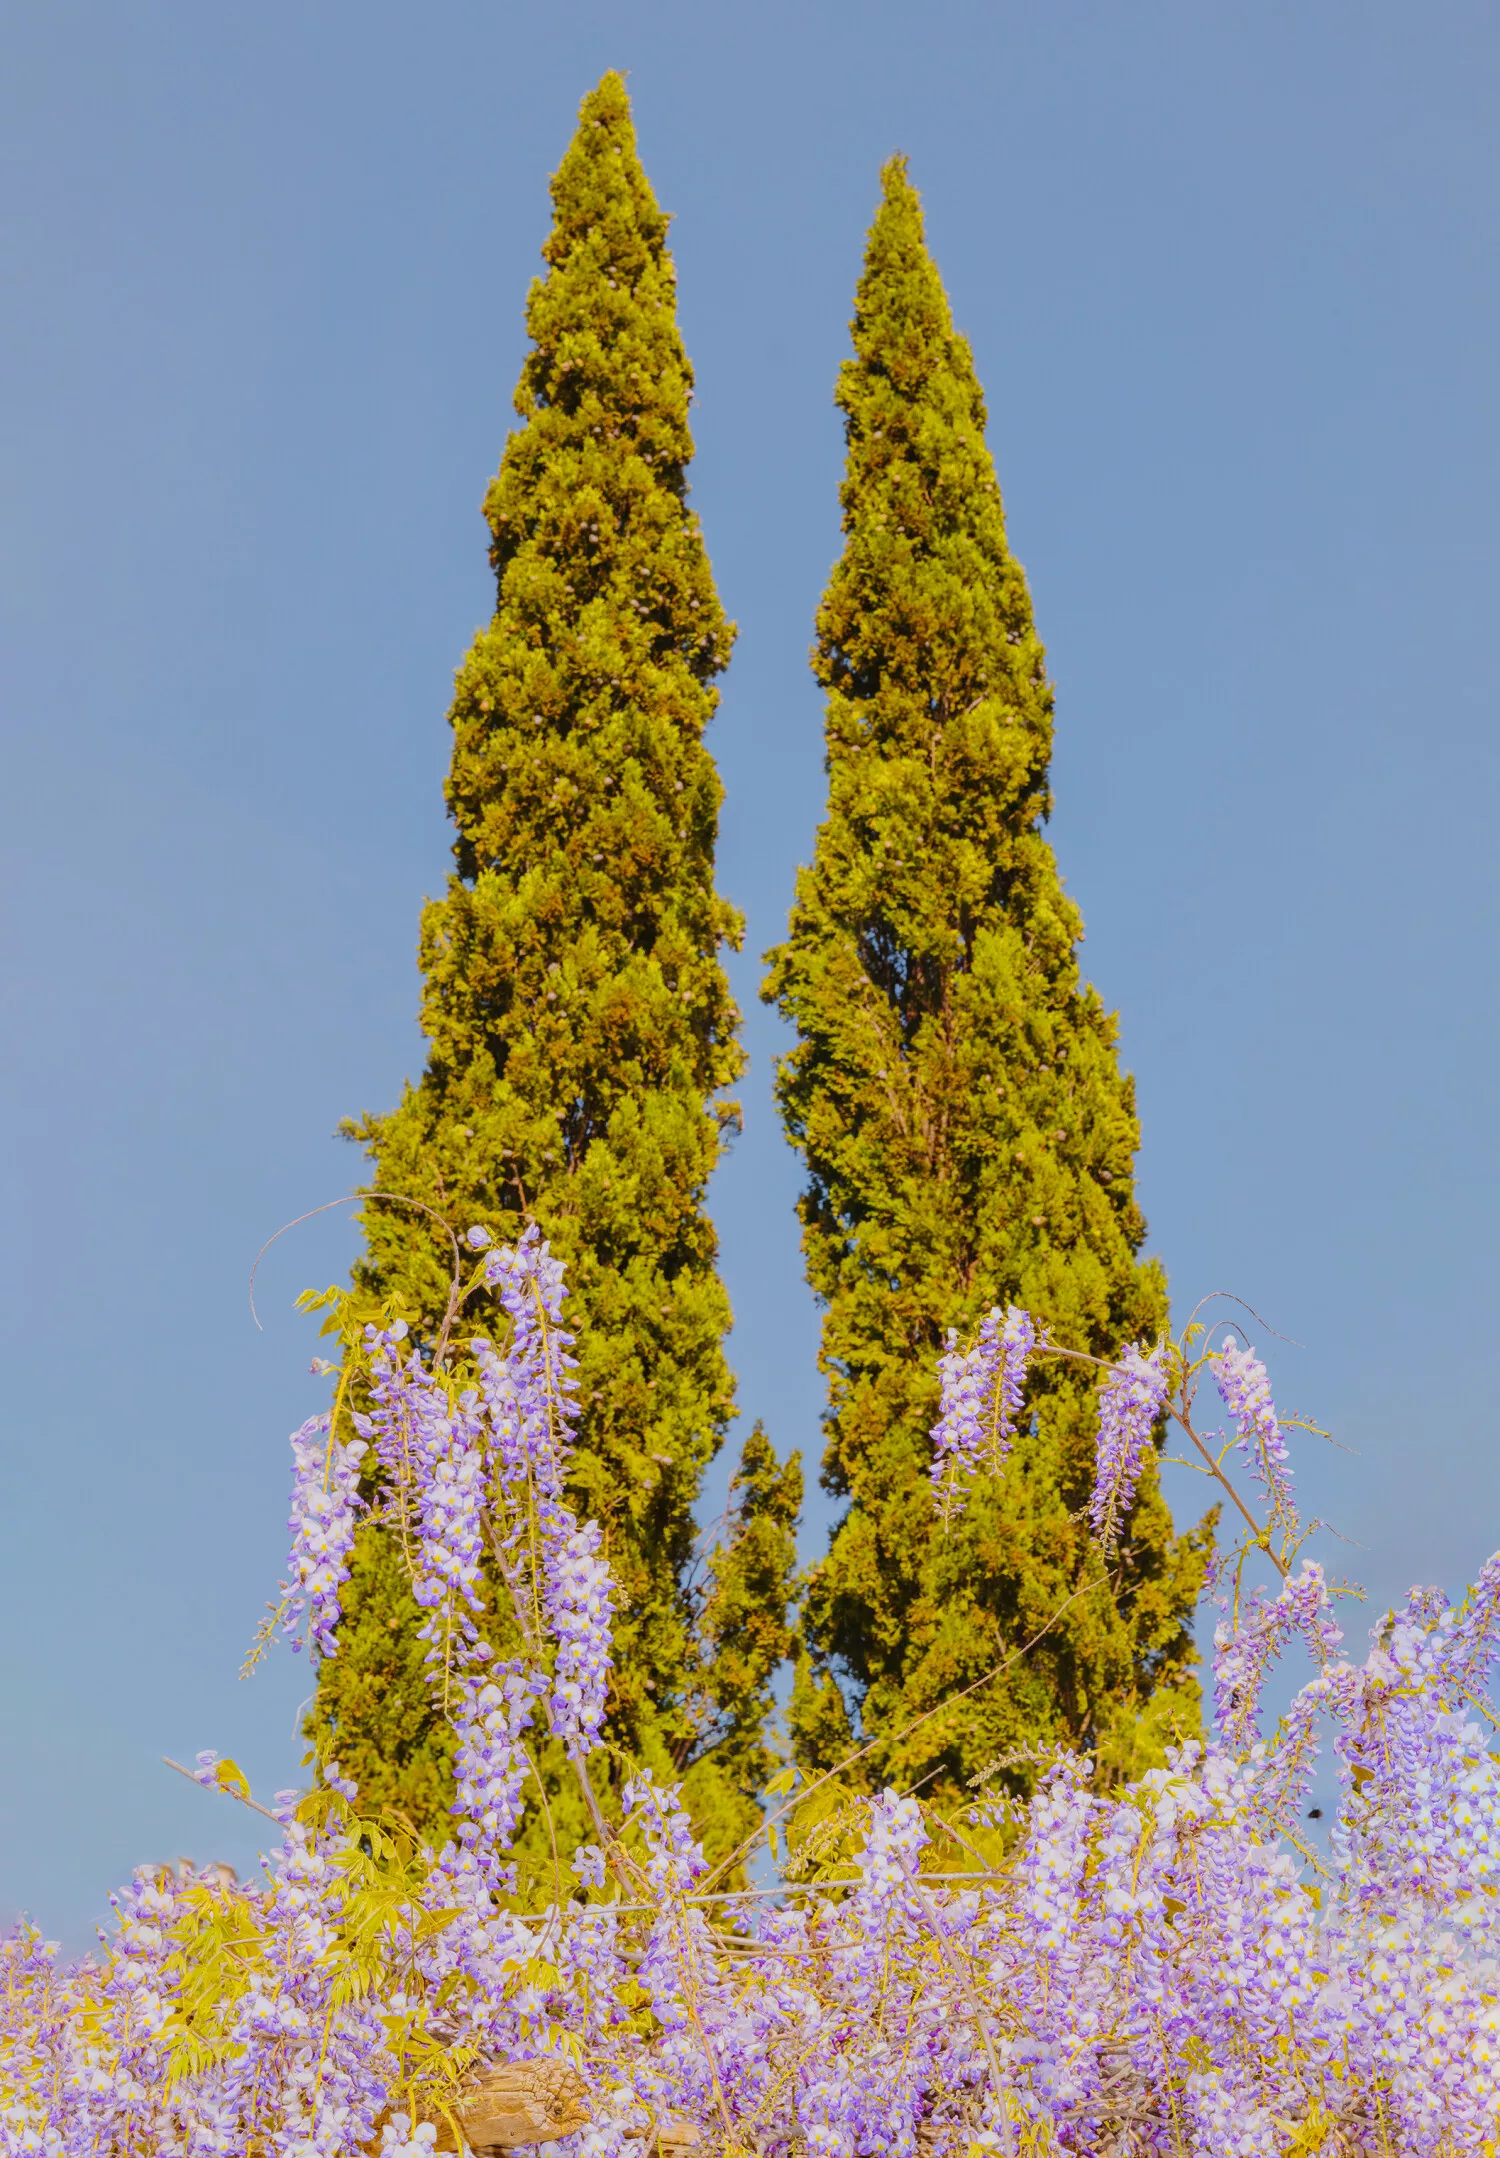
column 579, row 1021
column 968, row 1137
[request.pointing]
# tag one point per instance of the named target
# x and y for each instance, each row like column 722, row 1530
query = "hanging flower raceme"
column 579, row 1603
column 1132, row 1395
column 530, row 1389
column 1247, row 1647
column 982, row 1390
column 491, row 1765
column 556, row 1574
column 1246, row 1392
column 432, row 1448
column 450, row 1507
column 884, row 1906
column 325, row 1503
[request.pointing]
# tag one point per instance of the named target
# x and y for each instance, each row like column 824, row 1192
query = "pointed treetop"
column 927, row 618
column 600, row 192
column 608, row 363
column 902, row 323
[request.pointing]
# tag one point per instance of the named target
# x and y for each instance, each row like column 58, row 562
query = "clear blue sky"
column 1230, row 274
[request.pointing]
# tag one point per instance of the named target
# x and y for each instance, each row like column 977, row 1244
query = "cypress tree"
column 579, row 1021
column 967, row 1134
column 742, row 1633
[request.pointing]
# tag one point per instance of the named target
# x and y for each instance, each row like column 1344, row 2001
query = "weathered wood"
column 507, row 2105
column 676, row 2136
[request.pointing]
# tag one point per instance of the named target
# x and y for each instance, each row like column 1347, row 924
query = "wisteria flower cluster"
column 325, row 1505
column 429, row 1440
column 1246, row 1392
column 1165, row 1968
column 1131, row 1397
column 983, row 1388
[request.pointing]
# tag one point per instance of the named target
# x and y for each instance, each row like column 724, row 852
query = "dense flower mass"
column 1167, row 1968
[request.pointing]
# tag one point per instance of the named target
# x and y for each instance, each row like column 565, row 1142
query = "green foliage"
column 954, row 1090
column 580, row 1024
column 743, row 1634
column 379, row 1691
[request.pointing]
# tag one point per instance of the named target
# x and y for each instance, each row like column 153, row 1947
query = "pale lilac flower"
column 896, row 1838
column 398, row 2138
column 883, row 1908
column 529, row 1406
column 590, row 1865
column 1050, row 1874
column 679, row 1964
column 1470, row 1644
column 674, row 1855
column 433, row 1451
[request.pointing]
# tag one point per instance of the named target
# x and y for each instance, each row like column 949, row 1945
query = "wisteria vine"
column 1165, row 1968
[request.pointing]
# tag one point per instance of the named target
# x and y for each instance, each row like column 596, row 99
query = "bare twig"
column 227, row 1789
column 353, row 1198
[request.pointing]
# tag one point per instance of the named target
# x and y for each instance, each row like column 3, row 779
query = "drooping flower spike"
column 325, row 1506
column 1132, row 1395
column 982, row 1392
column 1246, row 1393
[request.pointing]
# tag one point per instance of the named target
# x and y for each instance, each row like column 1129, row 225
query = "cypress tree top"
column 579, row 1021
column 954, row 1090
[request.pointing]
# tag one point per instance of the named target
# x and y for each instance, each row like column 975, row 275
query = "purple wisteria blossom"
column 1470, row 1636
column 590, row 1865
column 679, row 1966
column 491, row 1767
column 450, row 1503
column 579, row 1605
column 884, row 1905
column 1246, row 1392
column 1131, row 1397
column 325, row 1502
column 982, row 1390
column 1247, row 1648
column 674, row 1855
column 433, row 1451
column 528, row 1392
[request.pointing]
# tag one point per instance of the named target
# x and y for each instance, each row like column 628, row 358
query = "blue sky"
column 1233, row 284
